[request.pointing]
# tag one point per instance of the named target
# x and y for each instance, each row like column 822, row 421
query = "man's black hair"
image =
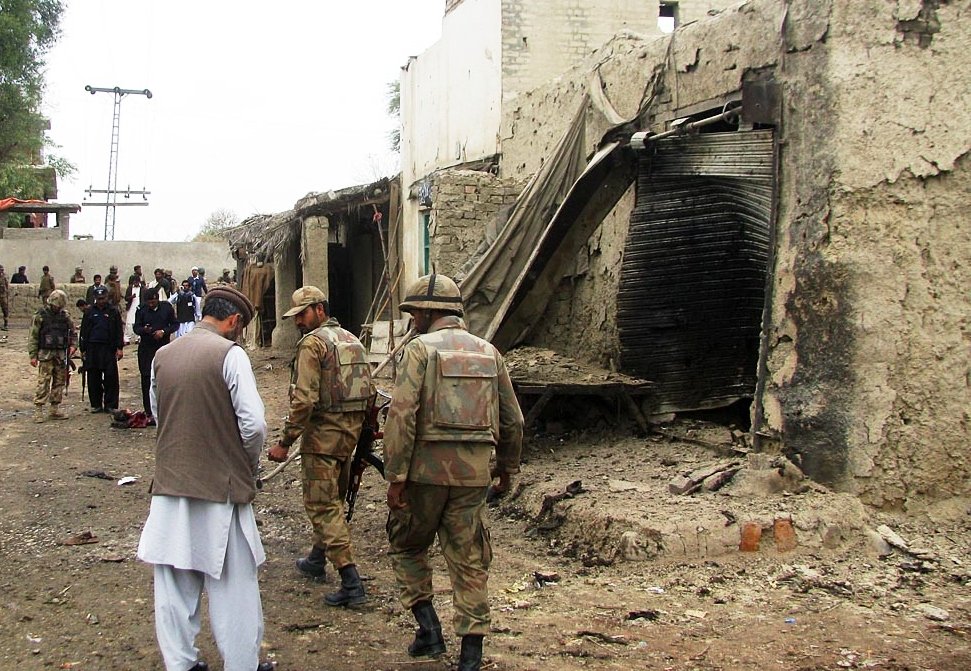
column 219, row 308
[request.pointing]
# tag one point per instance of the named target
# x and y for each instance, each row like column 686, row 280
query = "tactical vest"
column 352, row 386
column 460, row 392
column 185, row 307
column 55, row 330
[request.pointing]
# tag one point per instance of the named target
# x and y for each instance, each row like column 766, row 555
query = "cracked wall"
column 867, row 364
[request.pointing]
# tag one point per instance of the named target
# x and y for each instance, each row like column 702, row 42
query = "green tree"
column 394, row 111
column 28, row 29
column 216, row 226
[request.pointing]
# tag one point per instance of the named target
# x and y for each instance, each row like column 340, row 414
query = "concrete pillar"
column 286, row 267
column 316, row 232
column 64, row 223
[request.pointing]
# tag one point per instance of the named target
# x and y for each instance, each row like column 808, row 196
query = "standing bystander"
column 114, row 287
column 20, row 277
column 51, row 343
column 187, row 309
column 102, row 347
column 46, row 285
column 330, row 388
column 4, row 298
column 453, row 403
column 201, row 531
column 89, row 294
column 154, row 325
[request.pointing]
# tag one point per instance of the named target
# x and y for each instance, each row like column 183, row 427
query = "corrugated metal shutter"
column 693, row 276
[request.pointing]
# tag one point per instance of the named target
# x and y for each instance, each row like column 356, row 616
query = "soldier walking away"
column 4, row 298
column 201, row 531
column 102, row 347
column 50, row 344
column 330, row 388
column 46, row 285
column 78, row 276
column 452, row 404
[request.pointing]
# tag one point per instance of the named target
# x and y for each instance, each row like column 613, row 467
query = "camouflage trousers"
column 51, row 378
column 455, row 514
column 325, row 479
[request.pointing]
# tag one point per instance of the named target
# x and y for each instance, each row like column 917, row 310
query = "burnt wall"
column 865, row 369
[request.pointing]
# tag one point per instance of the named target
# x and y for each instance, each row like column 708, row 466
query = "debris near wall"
column 538, row 365
column 586, row 395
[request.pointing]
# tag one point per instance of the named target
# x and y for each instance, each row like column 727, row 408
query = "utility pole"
column 111, row 193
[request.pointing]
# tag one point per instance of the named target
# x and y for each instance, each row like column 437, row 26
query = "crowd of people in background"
column 148, row 313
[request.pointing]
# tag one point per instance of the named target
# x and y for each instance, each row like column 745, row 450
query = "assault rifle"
column 364, row 452
column 69, row 366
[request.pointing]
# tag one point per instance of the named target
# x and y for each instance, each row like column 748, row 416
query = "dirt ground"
column 618, row 574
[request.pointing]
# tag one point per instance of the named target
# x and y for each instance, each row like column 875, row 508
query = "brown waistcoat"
column 199, row 452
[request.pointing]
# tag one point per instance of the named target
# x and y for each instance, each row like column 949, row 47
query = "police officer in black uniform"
column 102, row 343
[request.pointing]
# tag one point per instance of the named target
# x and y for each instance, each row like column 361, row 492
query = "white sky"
column 255, row 104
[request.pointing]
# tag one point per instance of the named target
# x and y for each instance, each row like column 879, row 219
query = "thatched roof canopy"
column 270, row 234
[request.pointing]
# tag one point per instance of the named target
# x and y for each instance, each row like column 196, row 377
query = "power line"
column 111, row 193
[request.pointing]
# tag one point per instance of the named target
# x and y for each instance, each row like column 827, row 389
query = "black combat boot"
column 471, row 657
column 351, row 592
column 313, row 565
column 428, row 638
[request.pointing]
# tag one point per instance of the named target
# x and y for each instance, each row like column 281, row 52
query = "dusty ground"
column 622, row 575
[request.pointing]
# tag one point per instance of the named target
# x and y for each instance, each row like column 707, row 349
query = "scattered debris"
column 127, row 480
column 541, row 578
column 933, row 612
column 606, row 638
column 83, row 538
column 647, row 614
column 709, row 479
column 101, row 475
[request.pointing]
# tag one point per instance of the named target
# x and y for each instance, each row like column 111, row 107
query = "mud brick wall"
column 464, row 202
column 867, row 369
column 24, row 301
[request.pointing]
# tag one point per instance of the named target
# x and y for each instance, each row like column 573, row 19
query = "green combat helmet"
column 57, row 300
column 434, row 292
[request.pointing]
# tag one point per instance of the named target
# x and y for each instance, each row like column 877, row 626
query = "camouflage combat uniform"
column 452, row 404
column 4, row 297
column 52, row 336
column 114, row 290
column 46, row 287
column 330, row 387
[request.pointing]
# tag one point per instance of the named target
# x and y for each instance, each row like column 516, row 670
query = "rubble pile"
column 538, row 365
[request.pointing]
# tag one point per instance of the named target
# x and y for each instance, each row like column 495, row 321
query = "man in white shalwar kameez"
column 201, row 531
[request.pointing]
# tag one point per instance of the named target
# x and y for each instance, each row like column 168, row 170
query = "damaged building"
column 761, row 210
column 764, row 207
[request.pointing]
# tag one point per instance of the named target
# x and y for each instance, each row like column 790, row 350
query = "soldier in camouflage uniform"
column 453, row 403
column 51, row 343
column 330, row 388
column 4, row 297
column 46, row 285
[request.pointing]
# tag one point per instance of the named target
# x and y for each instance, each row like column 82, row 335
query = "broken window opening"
column 667, row 17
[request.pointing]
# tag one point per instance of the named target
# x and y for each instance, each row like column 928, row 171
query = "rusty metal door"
column 693, row 278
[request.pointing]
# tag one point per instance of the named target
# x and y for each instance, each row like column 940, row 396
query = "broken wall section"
column 465, row 205
column 866, row 370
